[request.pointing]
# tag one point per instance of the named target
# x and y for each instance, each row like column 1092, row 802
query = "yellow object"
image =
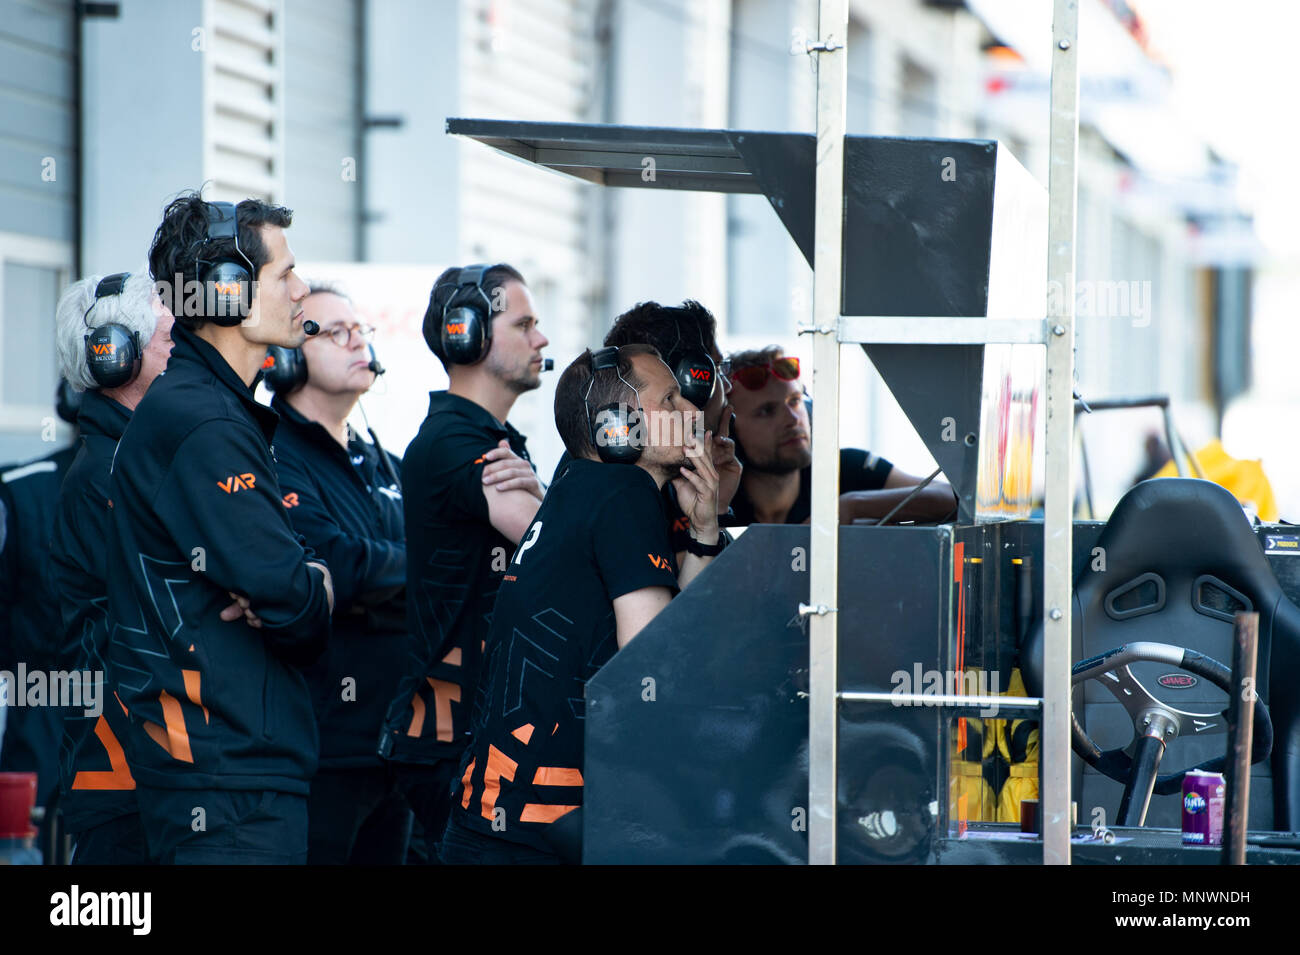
column 970, row 797
column 1017, row 740
column 1245, row 479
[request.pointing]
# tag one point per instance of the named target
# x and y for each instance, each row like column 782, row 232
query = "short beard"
column 779, row 465
column 517, row 381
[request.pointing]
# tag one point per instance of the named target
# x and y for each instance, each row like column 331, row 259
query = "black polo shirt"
column 679, row 525
column 859, row 471
column 601, row 533
column 455, row 561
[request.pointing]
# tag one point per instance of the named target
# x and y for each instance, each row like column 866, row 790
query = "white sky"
column 1236, row 74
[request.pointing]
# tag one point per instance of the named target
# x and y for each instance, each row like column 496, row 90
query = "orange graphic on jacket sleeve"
column 290, row 499
column 191, row 678
column 119, row 776
column 174, row 739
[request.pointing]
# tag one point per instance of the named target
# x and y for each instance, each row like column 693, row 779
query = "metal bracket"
column 816, row 329
column 808, row 610
column 823, row 46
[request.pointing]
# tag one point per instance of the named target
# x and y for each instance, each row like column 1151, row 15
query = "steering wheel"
column 1156, row 723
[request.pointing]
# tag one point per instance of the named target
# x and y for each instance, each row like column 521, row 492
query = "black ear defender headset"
column 113, row 351
column 466, row 332
column 227, row 279
column 694, row 369
column 611, row 428
column 285, row 369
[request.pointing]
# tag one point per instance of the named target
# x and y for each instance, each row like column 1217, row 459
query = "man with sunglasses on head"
column 773, row 439
column 343, row 495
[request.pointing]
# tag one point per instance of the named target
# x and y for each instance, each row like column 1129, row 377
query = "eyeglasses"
column 341, row 335
column 755, row 377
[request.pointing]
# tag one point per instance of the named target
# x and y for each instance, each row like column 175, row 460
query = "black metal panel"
column 895, row 616
column 693, row 159
column 916, row 243
column 784, row 165
column 932, row 383
column 714, row 767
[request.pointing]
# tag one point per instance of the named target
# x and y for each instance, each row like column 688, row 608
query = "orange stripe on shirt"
column 499, row 766
column 537, row 812
column 557, row 776
column 443, row 695
column 523, row 733
column 467, row 784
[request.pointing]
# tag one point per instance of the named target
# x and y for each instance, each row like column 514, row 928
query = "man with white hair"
column 113, row 337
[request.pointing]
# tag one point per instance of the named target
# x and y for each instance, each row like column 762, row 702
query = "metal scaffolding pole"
column 823, row 632
column 1058, row 528
column 830, row 329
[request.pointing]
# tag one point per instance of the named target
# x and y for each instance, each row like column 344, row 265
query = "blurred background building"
column 336, row 108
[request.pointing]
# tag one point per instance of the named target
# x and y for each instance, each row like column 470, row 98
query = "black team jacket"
column 97, row 783
column 196, row 512
column 348, row 506
column 29, row 611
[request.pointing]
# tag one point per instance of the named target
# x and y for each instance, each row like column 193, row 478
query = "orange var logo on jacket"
column 659, row 563
column 237, row 482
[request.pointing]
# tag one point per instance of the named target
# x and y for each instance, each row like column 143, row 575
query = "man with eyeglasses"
column 344, row 497
column 773, row 440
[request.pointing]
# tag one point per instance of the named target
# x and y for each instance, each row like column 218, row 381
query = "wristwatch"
column 706, row 550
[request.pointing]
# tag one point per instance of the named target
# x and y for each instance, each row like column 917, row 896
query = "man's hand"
column 727, row 464
column 240, row 608
column 507, row 471
column 328, row 579
column 697, row 490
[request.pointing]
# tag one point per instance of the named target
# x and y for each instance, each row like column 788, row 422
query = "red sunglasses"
column 755, row 377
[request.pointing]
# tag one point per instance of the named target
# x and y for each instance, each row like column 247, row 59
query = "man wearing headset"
column 344, row 496
column 222, row 739
column 594, row 568
column 685, row 337
column 113, row 336
column 773, row 436
column 469, row 494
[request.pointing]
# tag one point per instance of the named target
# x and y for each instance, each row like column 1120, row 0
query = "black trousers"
column 464, row 846
column 427, row 789
column 224, row 827
column 119, row 841
column 358, row 817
